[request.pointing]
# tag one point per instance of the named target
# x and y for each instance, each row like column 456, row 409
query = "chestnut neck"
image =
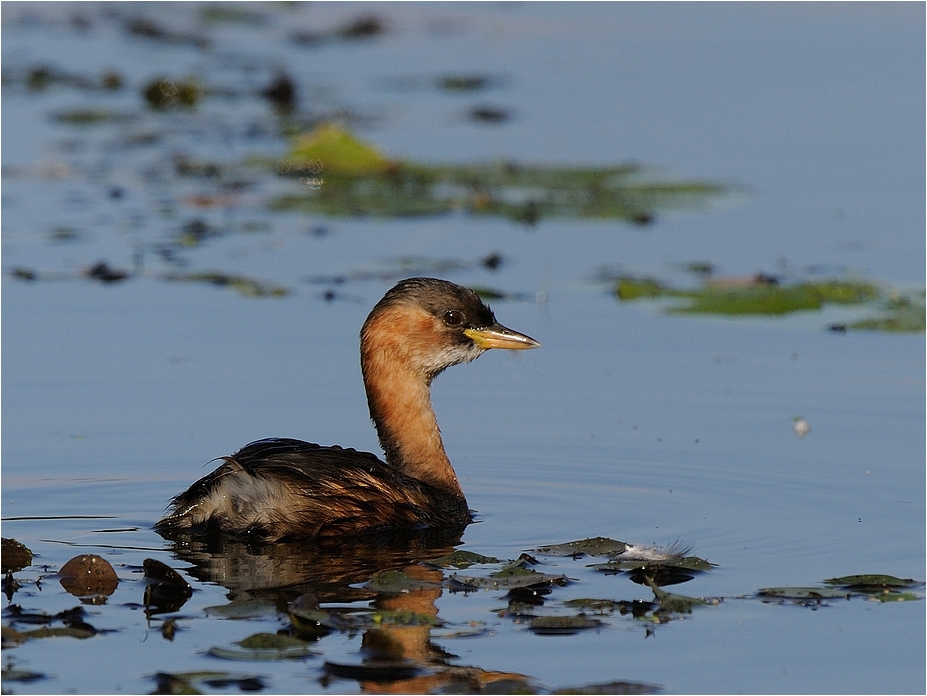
column 399, row 398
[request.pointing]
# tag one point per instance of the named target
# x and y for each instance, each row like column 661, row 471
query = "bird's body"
column 279, row 488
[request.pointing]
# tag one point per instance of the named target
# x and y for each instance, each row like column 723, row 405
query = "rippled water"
column 628, row 423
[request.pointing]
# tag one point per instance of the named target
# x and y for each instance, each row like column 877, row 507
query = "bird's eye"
column 453, row 317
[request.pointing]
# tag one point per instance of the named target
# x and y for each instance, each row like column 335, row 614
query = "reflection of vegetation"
column 901, row 313
column 763, row 295
column 244, row 286
column 356, row 179
column 88, row 117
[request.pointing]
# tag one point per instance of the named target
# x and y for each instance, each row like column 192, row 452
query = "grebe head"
column 429, row 324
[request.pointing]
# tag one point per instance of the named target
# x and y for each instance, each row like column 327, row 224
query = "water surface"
column 628, row 423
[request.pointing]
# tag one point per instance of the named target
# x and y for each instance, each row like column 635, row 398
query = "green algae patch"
column 763, row 295
column 344, row 176
column 772, row 299
column 901, row 314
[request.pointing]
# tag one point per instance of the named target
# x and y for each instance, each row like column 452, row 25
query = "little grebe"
column 278, row 488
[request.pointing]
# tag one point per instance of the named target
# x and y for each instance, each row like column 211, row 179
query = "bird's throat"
column 400, row 406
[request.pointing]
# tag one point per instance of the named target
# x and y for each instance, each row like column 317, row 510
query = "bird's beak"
column 497, row 336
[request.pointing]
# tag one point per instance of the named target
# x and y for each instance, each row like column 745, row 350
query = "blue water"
column 628, row 423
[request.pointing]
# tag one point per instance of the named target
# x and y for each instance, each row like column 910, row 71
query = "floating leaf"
column 396, row 582
column 58, row 632
column 595, row 546
column 871, row 581
column 335, row 151
column 562, row 625
column 478, row 629
column 14, row 556
column 462, row 559
column 635, row 607
column 265, row 646
column 505, row 583
column 243, row 609
column 11, row 674
column 678, row 604
column 686, row 563
column 814, row 593
column 887, row 596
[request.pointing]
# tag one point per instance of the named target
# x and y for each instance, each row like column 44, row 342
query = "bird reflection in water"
column 394, row 658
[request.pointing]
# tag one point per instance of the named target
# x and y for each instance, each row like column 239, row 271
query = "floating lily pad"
column 477, row 629
column 595, row 546
column 562, row 625
column 887, row 596
column 505, row 583
column 678, row 604
column 686, row 563
column 871, row 581
column 55, row 632
column 264, row 646
column 800, row 593
column 635, row 607
column 462, row 559
column 243, row 609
